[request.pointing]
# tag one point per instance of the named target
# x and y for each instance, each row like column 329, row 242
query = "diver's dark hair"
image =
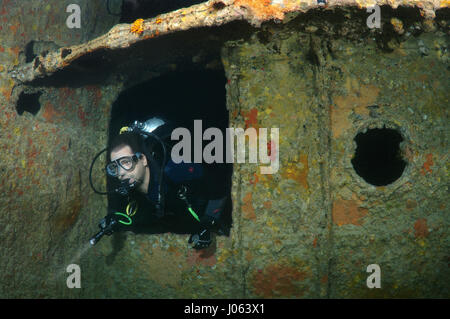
column 133, row 139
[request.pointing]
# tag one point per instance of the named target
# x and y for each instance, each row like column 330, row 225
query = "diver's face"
column 137, row 174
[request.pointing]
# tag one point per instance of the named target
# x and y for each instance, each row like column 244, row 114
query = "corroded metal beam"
column 207, row 14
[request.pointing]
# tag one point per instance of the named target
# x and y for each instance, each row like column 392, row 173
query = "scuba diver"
column 156, row 195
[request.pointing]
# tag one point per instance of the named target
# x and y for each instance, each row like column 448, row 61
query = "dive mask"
column 126, row 162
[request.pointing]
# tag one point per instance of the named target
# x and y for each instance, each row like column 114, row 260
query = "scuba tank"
column 158, row 129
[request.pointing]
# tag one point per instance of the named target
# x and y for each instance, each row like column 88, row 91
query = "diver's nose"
column 121, row 173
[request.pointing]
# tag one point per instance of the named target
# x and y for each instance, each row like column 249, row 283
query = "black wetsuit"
column 204, row 192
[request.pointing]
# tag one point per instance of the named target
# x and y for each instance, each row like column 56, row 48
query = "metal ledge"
column 213, row 13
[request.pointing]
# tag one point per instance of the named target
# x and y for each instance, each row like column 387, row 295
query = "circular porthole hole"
column 378, row 159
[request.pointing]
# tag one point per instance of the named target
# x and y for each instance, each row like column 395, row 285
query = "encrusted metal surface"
column 207, row 14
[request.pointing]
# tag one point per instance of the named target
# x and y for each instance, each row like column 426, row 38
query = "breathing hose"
column 128, row 222
column 90, row 173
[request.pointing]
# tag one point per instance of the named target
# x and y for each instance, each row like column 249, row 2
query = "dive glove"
column 201, row 239
column 108, row 224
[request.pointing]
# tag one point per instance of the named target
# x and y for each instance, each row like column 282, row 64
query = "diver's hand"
column 108, row 224
column 213, row 224
column 209, row 222
column 201, row 239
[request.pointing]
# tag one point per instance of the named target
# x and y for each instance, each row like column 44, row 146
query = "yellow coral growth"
column 444, row 3
column 137, row 27
column 398, row 25
column 262, row 9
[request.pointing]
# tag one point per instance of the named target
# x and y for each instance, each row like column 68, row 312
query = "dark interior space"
column 377, row 157
column 135, row 9
column 29, row 52
column 28, row 102
column 180, row 97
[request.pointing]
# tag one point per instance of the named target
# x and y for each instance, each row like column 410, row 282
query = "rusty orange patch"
column 420, row 228
column 348, row 212
column 357, row 99
column 205, row 257
column 66, row 93
column 251, row 119
column 267, row 204
column 66, row 217
column 82, row 115
column 14, row 28
column 262, row 9
column 408, row 154
column 426, row 168
column 411, row 204
column 174, row 250
column 423, row 77
column 278, row 281
column 96, row 93
column 49, row 112
column 299, row 175
column 247, row 207
column 255, row 179
column 15, row 51
column 6, row 93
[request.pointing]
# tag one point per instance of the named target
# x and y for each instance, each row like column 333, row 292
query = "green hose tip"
column 126, row 216
column 194, row 214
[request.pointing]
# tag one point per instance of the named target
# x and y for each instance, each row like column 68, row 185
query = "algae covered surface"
column 320, row 75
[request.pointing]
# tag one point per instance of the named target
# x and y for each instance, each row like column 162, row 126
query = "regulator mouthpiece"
column 125, row 187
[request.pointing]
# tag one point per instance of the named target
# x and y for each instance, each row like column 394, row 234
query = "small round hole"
column 378, row 157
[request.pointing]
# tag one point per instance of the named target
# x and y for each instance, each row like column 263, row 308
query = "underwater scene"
column 225, row 149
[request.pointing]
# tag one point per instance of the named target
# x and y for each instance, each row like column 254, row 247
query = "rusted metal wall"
column 47, row 208
column 312, row 229
column 308, row 231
